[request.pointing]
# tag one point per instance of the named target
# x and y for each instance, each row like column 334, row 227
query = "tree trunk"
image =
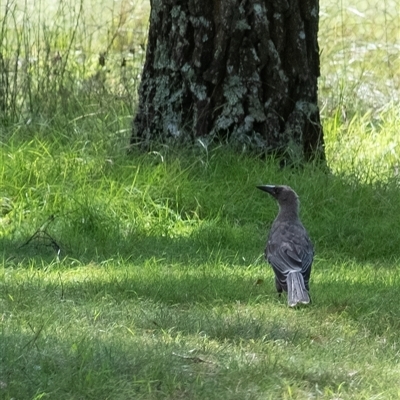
column 244, row 71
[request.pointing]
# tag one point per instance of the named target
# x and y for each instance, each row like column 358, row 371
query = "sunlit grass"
column 365, row 146
column 70, row 58
column 160, row 289
column 360, row 63
column 166, row 331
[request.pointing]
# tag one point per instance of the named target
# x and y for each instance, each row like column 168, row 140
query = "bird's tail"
column 297, row 292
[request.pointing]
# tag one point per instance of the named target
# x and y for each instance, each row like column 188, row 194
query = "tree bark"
column 244, row 71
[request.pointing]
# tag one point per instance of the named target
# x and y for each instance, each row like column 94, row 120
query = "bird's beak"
column 267, row 188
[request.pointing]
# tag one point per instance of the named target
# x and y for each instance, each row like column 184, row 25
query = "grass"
column 143, row 276
column 160, row 289
column 359, row 57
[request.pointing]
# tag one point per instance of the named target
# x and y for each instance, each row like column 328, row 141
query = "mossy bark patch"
column 239, row 71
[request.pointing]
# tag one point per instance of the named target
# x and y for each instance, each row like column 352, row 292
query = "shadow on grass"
column 373, row 306
column 209, row 243
column 82, row 367
column 346, row 218
column 214, row 282
column 168, row 292
column 221, row 263
column 95, row 366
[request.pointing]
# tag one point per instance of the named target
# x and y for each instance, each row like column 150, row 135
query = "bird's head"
column 285, row 195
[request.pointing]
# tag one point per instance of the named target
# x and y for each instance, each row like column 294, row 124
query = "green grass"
column 142, row 276
column 160, row 289
column 360, row 65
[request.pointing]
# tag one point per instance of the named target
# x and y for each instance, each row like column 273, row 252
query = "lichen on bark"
column 244, row 71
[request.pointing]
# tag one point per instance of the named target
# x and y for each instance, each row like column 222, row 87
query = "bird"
column 289, row 249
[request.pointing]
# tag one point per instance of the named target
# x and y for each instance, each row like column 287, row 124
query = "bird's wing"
column 290, row 250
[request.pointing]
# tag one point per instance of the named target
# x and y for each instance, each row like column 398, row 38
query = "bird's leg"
column 278, row 287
